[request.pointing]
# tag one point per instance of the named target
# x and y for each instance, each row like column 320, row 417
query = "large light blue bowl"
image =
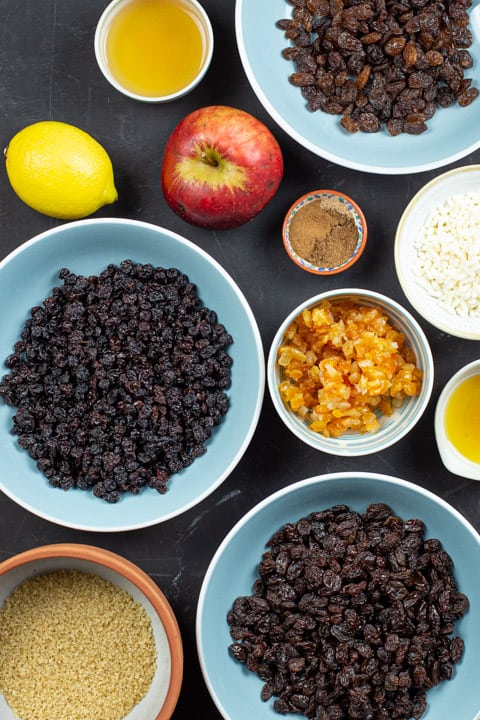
column 27, row 276
column 233, row 570
column 452, row 133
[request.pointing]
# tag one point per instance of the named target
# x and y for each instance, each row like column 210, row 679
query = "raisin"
column 312, row 646
column 350, row 124
column 394, row 46
column 368, row 122
column 118, row 380
column 362, row 77
column 301, row 79
column 467, row 96
column 420, row 43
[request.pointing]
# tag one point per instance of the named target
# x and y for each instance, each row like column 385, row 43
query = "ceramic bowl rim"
column 305, row 264
column 101, row 57
column 333, row 445
column 134, row 574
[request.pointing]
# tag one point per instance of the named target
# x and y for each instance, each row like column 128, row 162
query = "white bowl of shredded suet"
column 437, row 252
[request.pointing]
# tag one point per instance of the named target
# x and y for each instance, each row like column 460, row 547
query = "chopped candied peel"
column 342, row 365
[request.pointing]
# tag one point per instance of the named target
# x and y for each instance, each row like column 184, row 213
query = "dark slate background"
column 48, row 71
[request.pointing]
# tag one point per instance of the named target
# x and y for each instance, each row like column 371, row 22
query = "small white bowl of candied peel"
column 350, row 372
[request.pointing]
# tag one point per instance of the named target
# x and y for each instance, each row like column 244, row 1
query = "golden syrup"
column 462, row 418
column 156, row 48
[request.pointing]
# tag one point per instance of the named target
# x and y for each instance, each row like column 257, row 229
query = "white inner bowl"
column 151, row 704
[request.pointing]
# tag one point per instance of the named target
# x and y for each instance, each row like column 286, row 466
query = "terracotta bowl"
column 160, row 701
column 346, row 206
column 392, row 428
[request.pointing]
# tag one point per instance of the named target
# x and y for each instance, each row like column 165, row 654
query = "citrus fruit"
column 60, row 170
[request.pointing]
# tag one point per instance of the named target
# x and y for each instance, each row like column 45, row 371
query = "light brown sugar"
column 74, row 646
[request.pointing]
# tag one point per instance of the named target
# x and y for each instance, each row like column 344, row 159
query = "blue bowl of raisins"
column 388, row 89
column 346, row 595
column 133, row 374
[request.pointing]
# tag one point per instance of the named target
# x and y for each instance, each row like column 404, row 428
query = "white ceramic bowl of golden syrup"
column 154, row 51
column 457, row 422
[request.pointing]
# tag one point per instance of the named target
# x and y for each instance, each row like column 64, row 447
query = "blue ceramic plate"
column 452, row 133
column 233, row 570
column 27, row 276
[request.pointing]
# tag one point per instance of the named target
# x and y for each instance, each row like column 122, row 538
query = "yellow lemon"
column 60, row 170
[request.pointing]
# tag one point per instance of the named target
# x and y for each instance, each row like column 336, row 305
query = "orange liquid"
column 462, row 418
column 156, row 47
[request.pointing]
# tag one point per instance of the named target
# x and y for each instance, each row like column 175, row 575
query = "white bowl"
column 454, row 182
column 100, row 45
column 452, row 132
column 451, row 457
column 86, row 247
column 392, row 428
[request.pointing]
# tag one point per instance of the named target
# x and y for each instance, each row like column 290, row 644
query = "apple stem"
column 209, row 157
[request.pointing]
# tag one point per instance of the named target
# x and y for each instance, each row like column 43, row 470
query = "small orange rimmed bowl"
column 333, row 201
column 160, row 700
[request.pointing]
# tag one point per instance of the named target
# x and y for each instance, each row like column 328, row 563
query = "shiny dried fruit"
column 342, row 363
column 434, row 58
column 302, row 78
column 349, row 124
column 118, row 380
column 368, row 122
column 420, row 43
column 351, row 616
column 394, row 46
column 467, row 97
column 362, row 77
column 371, row 38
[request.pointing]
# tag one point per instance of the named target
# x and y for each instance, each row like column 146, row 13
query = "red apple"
column 221, row 166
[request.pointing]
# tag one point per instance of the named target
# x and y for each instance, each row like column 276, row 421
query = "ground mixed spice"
column 323, row 232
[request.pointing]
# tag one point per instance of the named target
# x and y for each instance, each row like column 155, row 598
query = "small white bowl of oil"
column 457, row 422
column 154, row 50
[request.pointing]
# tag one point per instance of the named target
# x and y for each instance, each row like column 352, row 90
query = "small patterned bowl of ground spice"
column 324, row 232
column 85, row 633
